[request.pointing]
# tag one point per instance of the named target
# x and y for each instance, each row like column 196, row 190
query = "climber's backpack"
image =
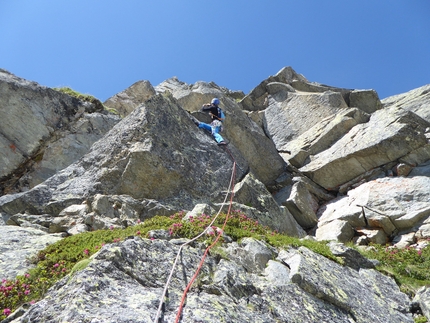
column 221, row 114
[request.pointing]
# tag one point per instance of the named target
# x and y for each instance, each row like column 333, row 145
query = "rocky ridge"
column 332, row 163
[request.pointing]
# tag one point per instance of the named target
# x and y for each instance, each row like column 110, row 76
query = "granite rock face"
column 124, row 282
column 43, row 131
column 18, row 244
column 307, row 159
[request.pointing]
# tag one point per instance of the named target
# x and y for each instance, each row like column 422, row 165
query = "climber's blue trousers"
column 215, row 128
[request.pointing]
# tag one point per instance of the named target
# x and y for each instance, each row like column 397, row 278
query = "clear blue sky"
column 102, row 47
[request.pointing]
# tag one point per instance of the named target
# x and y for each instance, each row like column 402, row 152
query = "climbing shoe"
column 222, row 143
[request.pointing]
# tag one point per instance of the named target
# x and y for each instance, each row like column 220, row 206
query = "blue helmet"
column 215, row 101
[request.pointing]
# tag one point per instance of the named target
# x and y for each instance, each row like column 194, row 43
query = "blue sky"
column 103, row 47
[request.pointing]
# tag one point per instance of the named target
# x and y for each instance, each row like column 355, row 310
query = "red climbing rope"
column 199, row 267
column 230, row 189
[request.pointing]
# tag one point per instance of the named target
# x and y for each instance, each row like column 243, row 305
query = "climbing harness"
column 165, row 291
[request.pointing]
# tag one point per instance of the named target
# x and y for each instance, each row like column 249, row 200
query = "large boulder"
column 357, row 292
column 390, row 134
column 322, row 136
column 265, row 210
column 389, row 205
column 42, row 131
column 257, row 99
column 416, row 100
column 192, row 96
column 288, row 119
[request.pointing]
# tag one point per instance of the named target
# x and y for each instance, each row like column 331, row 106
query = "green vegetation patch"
column 408, row 266
column 85, row 97
column 80, row 96
column 71, row 254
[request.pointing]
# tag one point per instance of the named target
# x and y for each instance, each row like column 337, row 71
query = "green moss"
column 86, row 97
column 420, row 319
column 408, row 266
column 75, row 94
column 80, row 266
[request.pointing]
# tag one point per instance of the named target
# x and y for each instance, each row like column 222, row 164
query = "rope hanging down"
column 178, row 316
column 230, row 188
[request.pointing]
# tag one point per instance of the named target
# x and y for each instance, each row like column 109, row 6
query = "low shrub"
column 409, row 267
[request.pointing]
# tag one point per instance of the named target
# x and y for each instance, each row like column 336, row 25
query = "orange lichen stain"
column 13, row 147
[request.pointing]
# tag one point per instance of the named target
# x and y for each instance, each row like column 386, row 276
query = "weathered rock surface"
column 322, row 136
column 416, row 100
column 126, row 101
column 335, row 162
column 286, row 120
column 389, row 135
column 42, row 131
column 135, row 159
column 257, row 99
column 356, row 293
column 423, row 299
column 264, row 208
column 240, row 130
column 390, row 205
column 18, row 245
column 125, row 281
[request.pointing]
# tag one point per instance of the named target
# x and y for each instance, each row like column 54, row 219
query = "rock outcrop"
column 390, row 134
column 129, row 99
column 125, row 281
column 18, row 244
column 385, row 206
column 43, row 131
column 310, row 160
column 416, row 100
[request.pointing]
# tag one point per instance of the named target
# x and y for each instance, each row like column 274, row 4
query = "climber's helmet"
column 215, row 101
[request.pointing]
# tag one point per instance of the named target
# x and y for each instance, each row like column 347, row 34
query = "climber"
column 217, row 116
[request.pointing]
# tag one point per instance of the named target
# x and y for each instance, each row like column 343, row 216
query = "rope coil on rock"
column 230, row 188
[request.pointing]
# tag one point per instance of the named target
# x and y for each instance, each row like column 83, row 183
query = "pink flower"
column 7, row 311
column 419, row 252
column 138, row 233
column 27, row 291
column 111, row 227
column 210, row 231
column 138, row 220
column 56, row 265
column 27, row 275
column 86, row 251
